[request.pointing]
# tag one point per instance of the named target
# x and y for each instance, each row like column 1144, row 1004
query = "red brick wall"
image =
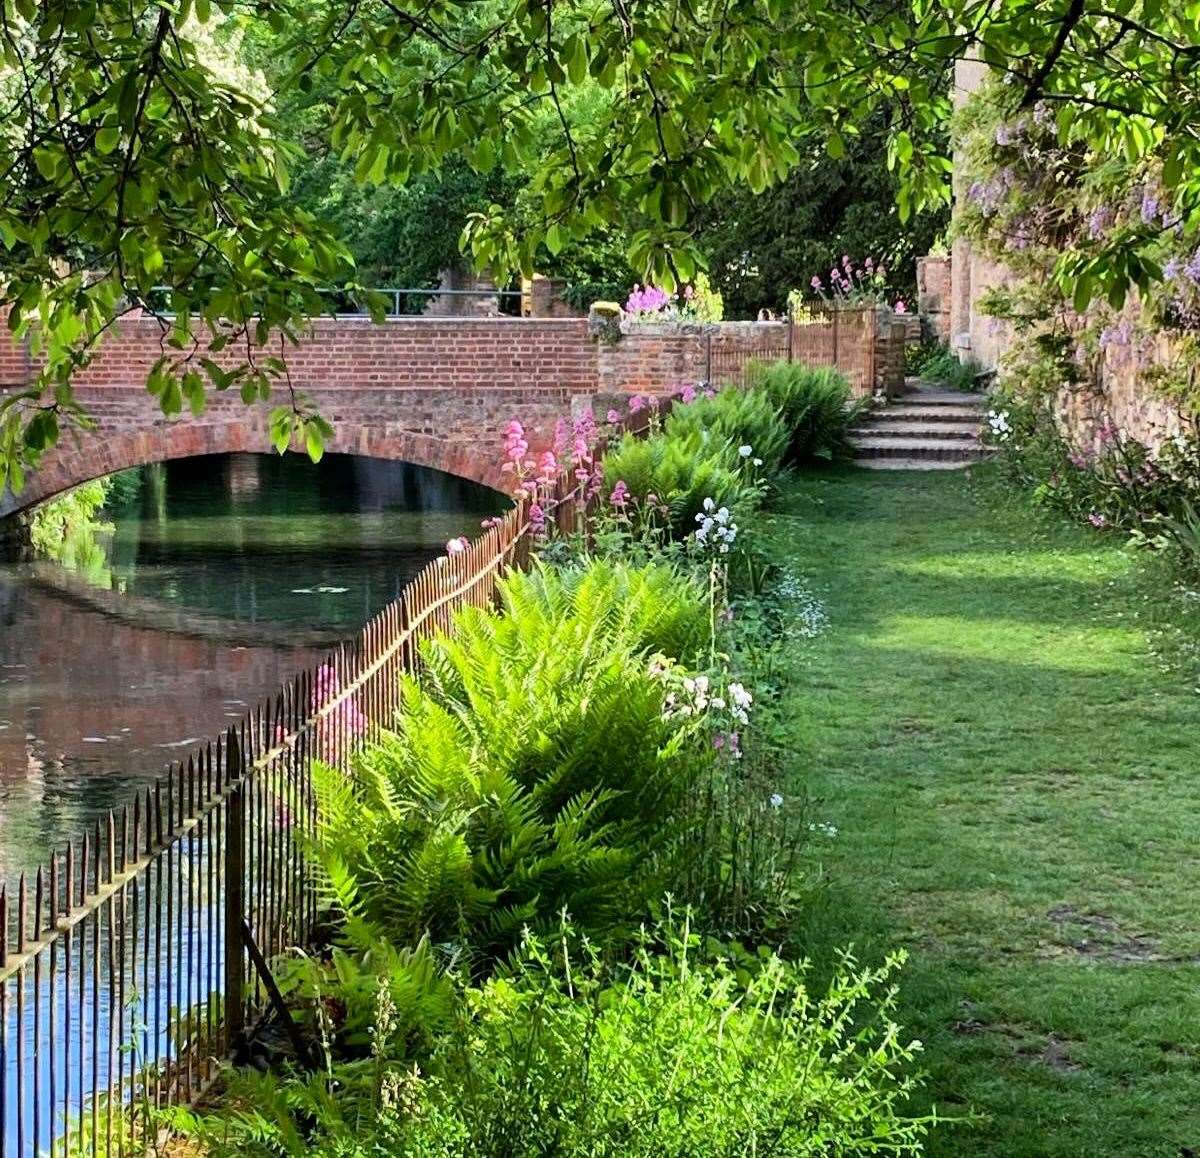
column 436, row 392
column 430, row 391
column 933, row 293
column 14, row 356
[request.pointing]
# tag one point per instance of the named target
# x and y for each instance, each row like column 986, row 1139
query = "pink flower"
column 613, row 417
column 537, row 518
column 620, row 495
column 901, row 308
column 1097, row 520
column 548, row 469
column 457, row 546
column 637, row 404
column 562, row 433
column 687, row 394
column 816, row 282
column 488, row 524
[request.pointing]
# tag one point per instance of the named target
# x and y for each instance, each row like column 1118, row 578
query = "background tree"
column 759, row 247
column 128, row 160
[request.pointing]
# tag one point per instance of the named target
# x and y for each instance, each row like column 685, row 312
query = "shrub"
column 1183, row 536
column 936, row 362
column 530, row 769
column 815, row 405
column 681, row 470
column 671, row 1055
column 736, row 418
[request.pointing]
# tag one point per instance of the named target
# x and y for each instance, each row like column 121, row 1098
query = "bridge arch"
column 95, row 455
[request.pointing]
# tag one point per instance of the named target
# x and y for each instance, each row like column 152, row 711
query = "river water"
column 221, row 576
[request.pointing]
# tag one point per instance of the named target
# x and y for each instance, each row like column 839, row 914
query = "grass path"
column 1001, row 724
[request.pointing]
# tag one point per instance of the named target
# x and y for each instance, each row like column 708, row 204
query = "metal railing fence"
column 815, row 333
column 131, row 962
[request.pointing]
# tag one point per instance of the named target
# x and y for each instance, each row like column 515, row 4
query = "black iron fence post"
column 708, row 357
column 235, row 899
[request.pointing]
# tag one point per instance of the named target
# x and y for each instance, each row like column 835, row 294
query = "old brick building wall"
column 1119, row 392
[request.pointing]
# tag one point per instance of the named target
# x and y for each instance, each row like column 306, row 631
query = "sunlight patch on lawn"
column 987, row 566
column 1086, row 649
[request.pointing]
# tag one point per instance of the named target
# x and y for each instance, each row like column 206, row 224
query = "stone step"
column 956, row 449
column 910, row 411
column 887, row 426
column 931, row 397
column 912, row 463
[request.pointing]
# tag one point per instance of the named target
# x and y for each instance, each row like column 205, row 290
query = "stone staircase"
column 927, row 428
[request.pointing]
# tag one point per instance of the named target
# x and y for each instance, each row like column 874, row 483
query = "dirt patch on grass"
column 1098, row 937
column 1027, row 1044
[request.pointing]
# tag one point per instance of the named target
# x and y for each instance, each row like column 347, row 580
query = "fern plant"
column 737, row 418
column 529, row 770
column 815, row 405
column 652, row 608
column 680, row 469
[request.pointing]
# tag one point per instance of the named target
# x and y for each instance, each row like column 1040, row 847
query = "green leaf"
column 314, row 442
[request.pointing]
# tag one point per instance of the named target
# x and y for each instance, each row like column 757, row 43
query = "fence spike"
column 21, row 915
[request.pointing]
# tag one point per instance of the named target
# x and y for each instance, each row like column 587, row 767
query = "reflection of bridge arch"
column 145, row 613
column 103, row 453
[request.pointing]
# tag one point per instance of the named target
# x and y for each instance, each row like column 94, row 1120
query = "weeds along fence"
column 136, row 959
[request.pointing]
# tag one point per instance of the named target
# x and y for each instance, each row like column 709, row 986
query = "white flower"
column 758, row 462
column 709, row 504
column 739, row 695
column 456, row 546
column 776, row 801
column 746, row 450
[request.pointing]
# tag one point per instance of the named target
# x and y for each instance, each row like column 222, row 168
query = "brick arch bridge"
column 436, row 392
column 93, row 455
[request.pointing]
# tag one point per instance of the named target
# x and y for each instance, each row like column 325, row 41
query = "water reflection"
column 221, row 575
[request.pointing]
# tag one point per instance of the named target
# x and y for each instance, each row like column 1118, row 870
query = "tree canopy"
column 133, row 157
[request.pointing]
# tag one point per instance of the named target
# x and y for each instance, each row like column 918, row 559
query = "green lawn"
column 1002, row 720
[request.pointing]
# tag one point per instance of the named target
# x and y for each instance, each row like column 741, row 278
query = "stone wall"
column 545, row 297
column 1118, row 392
column 933, row 294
